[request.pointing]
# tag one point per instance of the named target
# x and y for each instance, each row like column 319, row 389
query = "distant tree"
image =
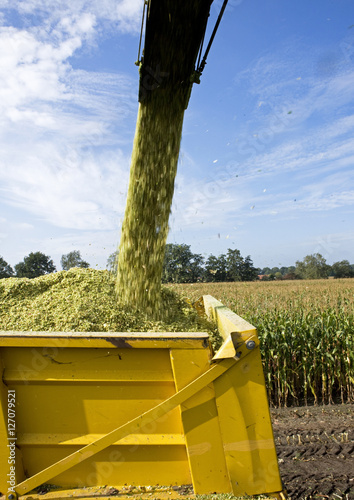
column 181, row 265
column 112, row 262
column 230, row 267
column 6, row 270
column 312, row 267
column 73, row 259
column 234, row 263
column 34, row 265
column 248, row 271
column 342, row 269
column 278, row 275
column 215, row 269
column 283, row 270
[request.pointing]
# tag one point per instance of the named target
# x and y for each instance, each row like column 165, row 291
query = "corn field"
column 306, row 330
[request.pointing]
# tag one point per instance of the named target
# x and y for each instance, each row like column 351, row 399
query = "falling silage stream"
column 152, row 176
column 174, row 34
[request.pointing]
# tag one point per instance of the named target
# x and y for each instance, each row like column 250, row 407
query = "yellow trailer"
column 134, row 410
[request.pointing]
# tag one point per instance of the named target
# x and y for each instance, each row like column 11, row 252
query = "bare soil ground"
column 315, row 447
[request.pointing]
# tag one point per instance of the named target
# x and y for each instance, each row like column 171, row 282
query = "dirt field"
column 316, row 451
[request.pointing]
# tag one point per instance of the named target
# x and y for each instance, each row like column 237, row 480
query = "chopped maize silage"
column 151, row 186
column 84, row 300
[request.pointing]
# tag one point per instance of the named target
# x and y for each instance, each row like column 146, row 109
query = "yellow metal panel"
column 226, row 320
column 137, row 340
column 116, row 465
column 11, row 467
column 246, row 428
column 231, row 327
column 87, row 452
column 90, row 410
column 41, row 439
column 4, row 451
column 201, row 427
column 33, row 364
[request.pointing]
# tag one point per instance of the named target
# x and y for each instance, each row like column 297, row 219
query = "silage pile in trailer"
column 84, row 300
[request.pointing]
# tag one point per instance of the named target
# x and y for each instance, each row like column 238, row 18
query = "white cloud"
column 95, row 246
column 206, row 203
column 300, row 147
column 126, row 14
column 54, row 121
column 30, row 69
column 322, row 96
column 79, row 194
column 305, row 80
column 310, row 172
column 24, row 226
column 39, row 85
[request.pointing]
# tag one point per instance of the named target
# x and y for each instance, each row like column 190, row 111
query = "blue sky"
column 267, row 154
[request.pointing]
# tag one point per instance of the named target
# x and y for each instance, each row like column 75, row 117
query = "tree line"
column 311, row 267
column 181, row 265
column 37, row 264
